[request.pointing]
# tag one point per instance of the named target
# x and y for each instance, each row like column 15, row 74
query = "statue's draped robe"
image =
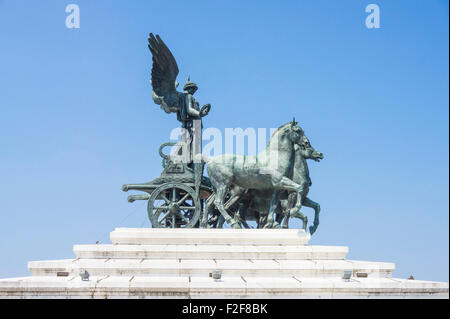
column 192, row 133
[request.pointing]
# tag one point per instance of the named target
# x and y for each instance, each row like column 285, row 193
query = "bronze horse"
column 254, row 204
column 267, row 170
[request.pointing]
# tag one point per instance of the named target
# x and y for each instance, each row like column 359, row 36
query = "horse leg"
column 245, row 224
column 218, row 201
column 242, row 212
column 262, row 221
column 271, row 223
column 286, row 184
column 290, row 200
column 220, row 221
column 209, row 201
column 310, row 203
column 298, row 214
column 237, row 215
column 295, row 211
column 280, row 213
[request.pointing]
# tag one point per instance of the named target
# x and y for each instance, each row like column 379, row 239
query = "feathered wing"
column 164, row 74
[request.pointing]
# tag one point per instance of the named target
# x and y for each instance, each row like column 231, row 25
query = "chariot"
column 177, row 198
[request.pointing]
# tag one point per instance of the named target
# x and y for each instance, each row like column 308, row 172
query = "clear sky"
column 77, row 119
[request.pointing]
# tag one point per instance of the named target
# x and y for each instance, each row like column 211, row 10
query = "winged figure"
column 163, row 80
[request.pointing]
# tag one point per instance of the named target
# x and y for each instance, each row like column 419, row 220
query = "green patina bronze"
column 268, row 188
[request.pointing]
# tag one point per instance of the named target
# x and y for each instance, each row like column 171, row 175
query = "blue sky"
column 77, row 120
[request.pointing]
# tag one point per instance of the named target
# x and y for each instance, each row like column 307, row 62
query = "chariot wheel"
column 174, row 205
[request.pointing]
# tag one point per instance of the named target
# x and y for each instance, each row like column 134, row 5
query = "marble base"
column 178, row 263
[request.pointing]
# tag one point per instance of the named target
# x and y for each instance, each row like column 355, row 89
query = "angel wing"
column 164, row 74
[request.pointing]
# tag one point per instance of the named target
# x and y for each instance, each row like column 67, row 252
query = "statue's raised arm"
column 164, row 75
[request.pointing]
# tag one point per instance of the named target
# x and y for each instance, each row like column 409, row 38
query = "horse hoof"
column 235, row 225
column 311, row 230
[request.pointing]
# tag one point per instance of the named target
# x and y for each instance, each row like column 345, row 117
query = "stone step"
column 177, row 263
column 256, row 252
column 182, row 236
column 227, row 287
column 203, row 268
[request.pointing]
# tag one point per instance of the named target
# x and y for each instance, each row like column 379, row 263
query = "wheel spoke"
column 165, row 216
column 184, row 218
column 187, row 207
column 174, row 194
column 183, row 199
column 173, row 206
column 165, row 198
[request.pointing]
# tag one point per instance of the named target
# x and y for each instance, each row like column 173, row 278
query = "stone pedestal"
column 178, row 263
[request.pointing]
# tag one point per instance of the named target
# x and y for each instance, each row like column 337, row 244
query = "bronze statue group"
column 268, row 188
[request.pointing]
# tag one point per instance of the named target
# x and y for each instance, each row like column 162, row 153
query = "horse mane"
column 279, row 130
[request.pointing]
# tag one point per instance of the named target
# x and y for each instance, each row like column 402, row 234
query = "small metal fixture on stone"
column 217, row 274
column 347, row 275
column 84, row 275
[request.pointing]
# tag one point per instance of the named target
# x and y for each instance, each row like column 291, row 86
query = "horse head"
column 307, row 151
column 285, row 137
column 294, row 132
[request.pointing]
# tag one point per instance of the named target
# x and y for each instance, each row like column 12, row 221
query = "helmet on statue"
column 190, row 84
